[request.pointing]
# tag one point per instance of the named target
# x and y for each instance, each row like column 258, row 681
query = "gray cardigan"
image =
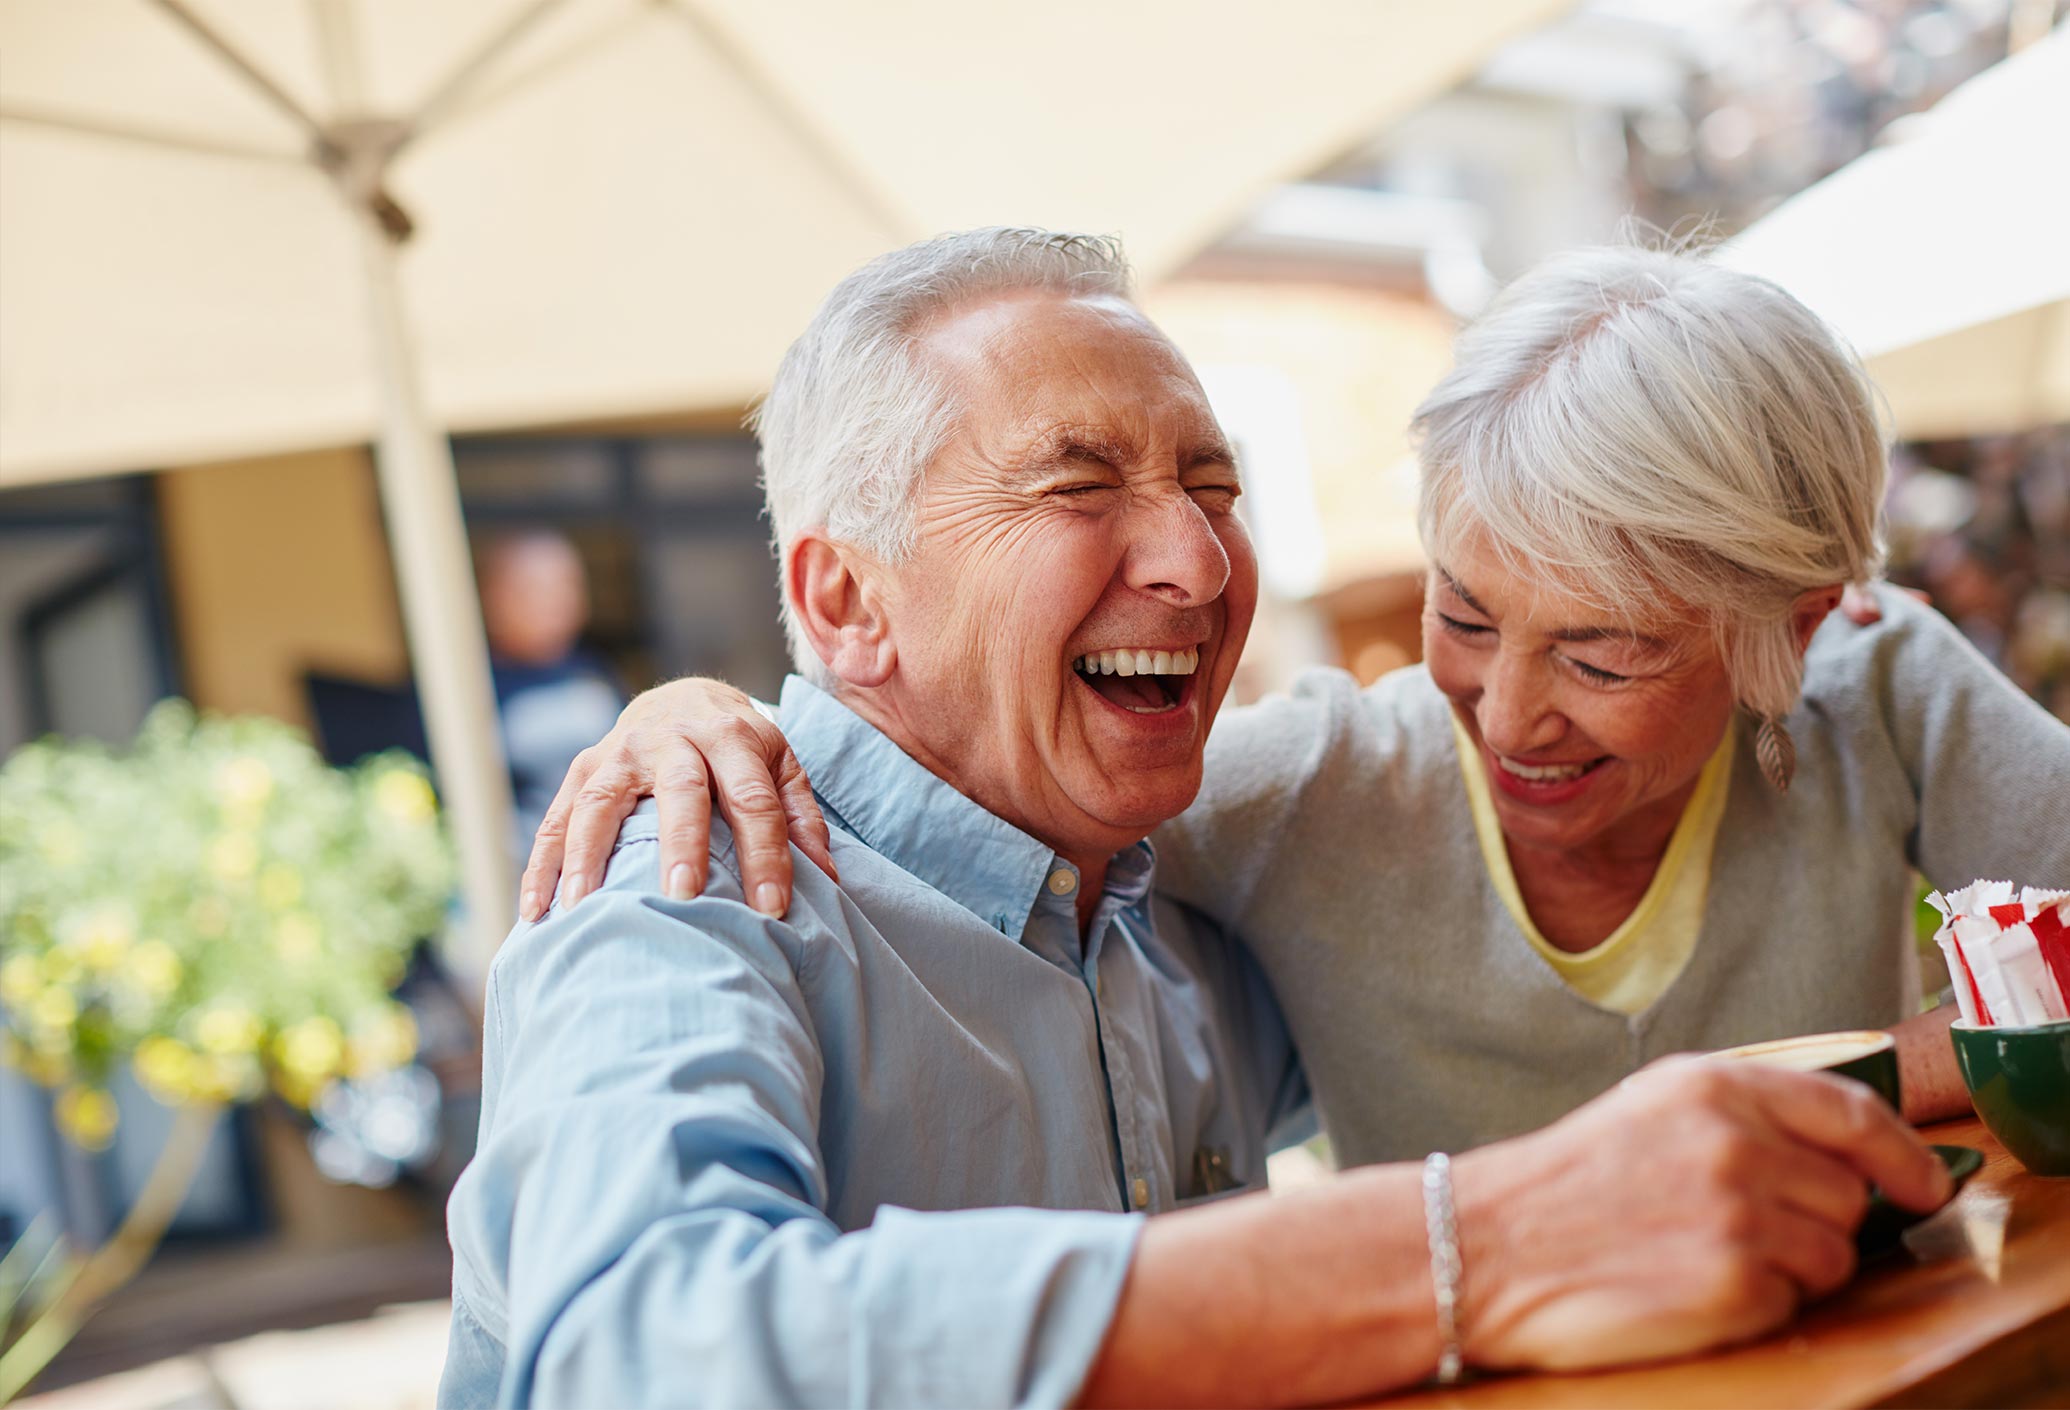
column 1333, row 834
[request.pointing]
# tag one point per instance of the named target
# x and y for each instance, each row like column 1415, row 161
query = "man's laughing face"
column 1081, row 582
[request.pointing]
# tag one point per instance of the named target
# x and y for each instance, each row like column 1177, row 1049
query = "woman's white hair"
column 1640, row 424
column 854, row 417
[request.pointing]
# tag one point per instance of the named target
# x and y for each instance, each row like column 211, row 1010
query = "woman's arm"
column 1990, row 772
column 685, row 743
column 1927, row 1072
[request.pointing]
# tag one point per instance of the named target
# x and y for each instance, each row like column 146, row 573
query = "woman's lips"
column 1556, row 783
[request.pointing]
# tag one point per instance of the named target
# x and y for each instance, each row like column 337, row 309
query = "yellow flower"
column 21, row 980
column 298, row 939
column 45, row 1068
column 154, row 968
column 298, row 1091
column 229, row 1029
column 280, row 886
column 233, row 857
column 386, row 1041
column 88, row 1116
column 168, row 1069
column 54, row 1012
column 244, row 784
column 405, row 797
column 61, row 966
column 312, row 1049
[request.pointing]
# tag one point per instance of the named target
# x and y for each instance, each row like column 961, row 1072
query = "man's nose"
column 1515, row 712
column 1173, row 551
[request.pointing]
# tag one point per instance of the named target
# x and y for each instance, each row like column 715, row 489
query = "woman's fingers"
column 683, row 799
column 743, row 759
column 1859, row 603
column 543, row 869
column 808, row 825
column 687, row 743
column 601, row 805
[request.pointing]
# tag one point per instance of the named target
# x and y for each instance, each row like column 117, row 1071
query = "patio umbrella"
column 1945, row 255
column 238, row 227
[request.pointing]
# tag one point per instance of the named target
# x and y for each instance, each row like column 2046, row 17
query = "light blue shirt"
column 890, row 1150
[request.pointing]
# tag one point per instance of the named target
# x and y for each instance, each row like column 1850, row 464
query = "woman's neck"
column 1578, row 896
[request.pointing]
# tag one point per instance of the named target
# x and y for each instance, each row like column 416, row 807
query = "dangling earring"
column 1777, row 753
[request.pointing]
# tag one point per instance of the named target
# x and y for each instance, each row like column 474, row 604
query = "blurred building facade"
column 1647, row 119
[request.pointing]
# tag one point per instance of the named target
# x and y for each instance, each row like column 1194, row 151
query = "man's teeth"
column 1139, row 663
column 1548, row 774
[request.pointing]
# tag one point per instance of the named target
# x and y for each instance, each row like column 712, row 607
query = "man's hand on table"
column 1694, row 1205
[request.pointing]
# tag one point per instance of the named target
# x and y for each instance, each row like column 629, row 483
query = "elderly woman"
column 1640, row 797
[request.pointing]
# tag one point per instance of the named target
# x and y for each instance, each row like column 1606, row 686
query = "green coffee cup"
column 2019, row 1079
column 1867, row 1055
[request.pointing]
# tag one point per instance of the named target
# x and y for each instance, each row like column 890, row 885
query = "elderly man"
column 929, row 1137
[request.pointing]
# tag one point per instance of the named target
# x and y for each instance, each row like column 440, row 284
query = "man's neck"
column 883, row 715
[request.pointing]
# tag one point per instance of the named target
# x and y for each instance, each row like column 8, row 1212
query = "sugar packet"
column 2008, row 954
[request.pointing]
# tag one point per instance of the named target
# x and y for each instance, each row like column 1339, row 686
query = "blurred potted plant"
column 222, row 913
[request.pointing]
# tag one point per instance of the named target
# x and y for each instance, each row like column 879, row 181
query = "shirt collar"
column 889, row 801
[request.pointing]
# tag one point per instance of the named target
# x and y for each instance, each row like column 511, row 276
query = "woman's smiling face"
column 1592, row 729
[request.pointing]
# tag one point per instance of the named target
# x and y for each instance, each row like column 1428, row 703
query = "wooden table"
column 1987, row 1322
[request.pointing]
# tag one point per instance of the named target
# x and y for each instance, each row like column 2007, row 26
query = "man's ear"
column 833, row 593
column 1810, row 609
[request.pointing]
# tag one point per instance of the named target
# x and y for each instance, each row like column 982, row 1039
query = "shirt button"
column 1062, row 883
column 1140, row 1192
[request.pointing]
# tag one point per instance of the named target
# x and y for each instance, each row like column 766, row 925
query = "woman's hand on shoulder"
column 684, row 744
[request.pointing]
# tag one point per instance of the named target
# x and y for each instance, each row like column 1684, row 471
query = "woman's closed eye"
column 1596, row 674
column 1464, row 629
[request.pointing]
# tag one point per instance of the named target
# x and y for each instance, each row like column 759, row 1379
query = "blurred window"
column 670, row 529
column 535, row 477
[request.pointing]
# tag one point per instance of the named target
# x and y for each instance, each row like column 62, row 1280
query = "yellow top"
column 1634, row 965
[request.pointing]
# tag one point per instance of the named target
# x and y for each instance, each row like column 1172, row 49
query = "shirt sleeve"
column 648, row 1197
column 1988, row 768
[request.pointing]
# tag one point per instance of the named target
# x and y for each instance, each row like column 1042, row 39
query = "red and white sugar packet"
column 2008, row 955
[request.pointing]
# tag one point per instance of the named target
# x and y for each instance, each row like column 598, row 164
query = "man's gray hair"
column 1636, row 423
column 854, row 417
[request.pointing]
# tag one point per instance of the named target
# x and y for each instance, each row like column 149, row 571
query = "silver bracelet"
column 1441, row 1222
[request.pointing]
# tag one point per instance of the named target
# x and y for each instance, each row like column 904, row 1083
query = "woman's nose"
column 1515, row 713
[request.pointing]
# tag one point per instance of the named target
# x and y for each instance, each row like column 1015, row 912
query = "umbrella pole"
column 420, row 498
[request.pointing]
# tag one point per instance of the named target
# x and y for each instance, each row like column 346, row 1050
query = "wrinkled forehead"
column 1040, row 376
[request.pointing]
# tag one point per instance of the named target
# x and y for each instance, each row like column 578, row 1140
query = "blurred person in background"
column 925, row 1139
column 552, row 695
column 1640, row 797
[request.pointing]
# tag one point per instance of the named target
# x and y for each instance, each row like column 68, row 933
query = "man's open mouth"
column 1144, row 681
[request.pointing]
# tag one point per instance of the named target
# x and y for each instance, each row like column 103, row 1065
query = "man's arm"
column 648, row 1198
column 1696, row 1204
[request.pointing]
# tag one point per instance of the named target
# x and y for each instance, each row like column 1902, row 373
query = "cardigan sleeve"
column 1987, row 768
